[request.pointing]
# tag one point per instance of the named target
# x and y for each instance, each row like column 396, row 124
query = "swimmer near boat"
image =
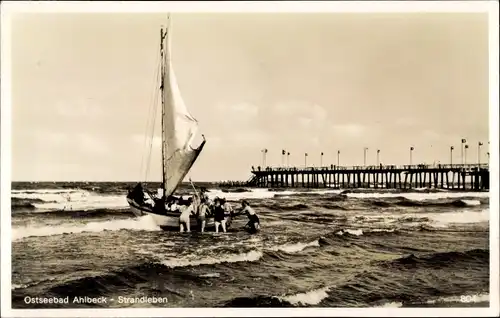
column 179, row 128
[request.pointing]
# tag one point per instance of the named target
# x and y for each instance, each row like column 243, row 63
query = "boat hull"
column 169, row 220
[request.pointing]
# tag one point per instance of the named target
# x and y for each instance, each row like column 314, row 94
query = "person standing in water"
column 219, row 216
column 254, row 223
column 203, row 211
column 186, row 212
column 228, row 211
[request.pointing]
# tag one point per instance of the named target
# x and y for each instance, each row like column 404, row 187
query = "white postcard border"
column 8, row 8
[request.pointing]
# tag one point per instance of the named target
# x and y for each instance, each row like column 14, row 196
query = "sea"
column 316, row 248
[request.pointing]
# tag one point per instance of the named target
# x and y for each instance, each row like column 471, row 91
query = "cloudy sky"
column 82, row 85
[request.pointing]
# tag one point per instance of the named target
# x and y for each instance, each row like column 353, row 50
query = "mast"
column 178, row 125
column 162, row 87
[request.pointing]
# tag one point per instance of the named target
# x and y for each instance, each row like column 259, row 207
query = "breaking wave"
column 340, row 202
column 390, row 305
column 57, row 200
column 19, row 286
column 71, row 200
column 293, row 248
column 264, row 193
column 308, row 298
column 466, row 216
column 416, row 195
column 351, row 232
column 144, row 223
column 471, row 202
column 251, row 256
column 312, row 297
column 316, row 248
column 93, row 213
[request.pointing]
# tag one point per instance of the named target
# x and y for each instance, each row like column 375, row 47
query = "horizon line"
column 123, row 181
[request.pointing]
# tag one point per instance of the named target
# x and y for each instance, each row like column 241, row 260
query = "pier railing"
column 373, row 167
column 444, row 176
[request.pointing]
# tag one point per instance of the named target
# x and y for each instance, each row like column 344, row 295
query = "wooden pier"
column 471, row 177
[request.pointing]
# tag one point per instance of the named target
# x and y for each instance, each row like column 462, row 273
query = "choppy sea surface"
column 317, row 248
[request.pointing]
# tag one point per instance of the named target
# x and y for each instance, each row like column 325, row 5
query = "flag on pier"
column 480, row 143
column 464, row 141
column 452, row 147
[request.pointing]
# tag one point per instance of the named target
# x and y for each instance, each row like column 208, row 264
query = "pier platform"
column 472, row 177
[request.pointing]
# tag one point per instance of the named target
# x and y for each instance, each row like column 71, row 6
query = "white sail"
column 179, row 126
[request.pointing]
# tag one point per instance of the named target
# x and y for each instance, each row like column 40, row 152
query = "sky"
column 82, row 86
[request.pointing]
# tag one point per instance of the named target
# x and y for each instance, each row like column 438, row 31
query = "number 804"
column 468, row 298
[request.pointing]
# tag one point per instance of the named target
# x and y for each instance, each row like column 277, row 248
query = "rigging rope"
column 151, row 113
column 152, row 130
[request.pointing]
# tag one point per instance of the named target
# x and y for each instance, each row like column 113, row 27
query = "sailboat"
column 179, row 128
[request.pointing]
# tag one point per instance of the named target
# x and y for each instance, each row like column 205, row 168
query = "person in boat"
column 174, row 205
column 159, row 206
column 148, row 200
column 219, row 217
column 137, row 194
column 203, row 213
column 186, row 212
column 170, row 201
column 228, row 211
column 253, row 224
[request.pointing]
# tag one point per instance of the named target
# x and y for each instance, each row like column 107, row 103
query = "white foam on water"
column 71, row 199
column 281, row 222
column 251, row 256
column 51, row 195
column 466, row 216
column 471, row 202
column 251, row 194
column 293, row 248
column 312, row 297
column 42, row 191
column 419, row 196
column 87, row 203
column 382, row 230
column 144, row 223
column 18, row 286
column 350, row 231
column 260, row 194
column 255, row 239
column 210, row 275
column 390, row 305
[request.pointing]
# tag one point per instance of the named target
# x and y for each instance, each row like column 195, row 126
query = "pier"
column 472, row 177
